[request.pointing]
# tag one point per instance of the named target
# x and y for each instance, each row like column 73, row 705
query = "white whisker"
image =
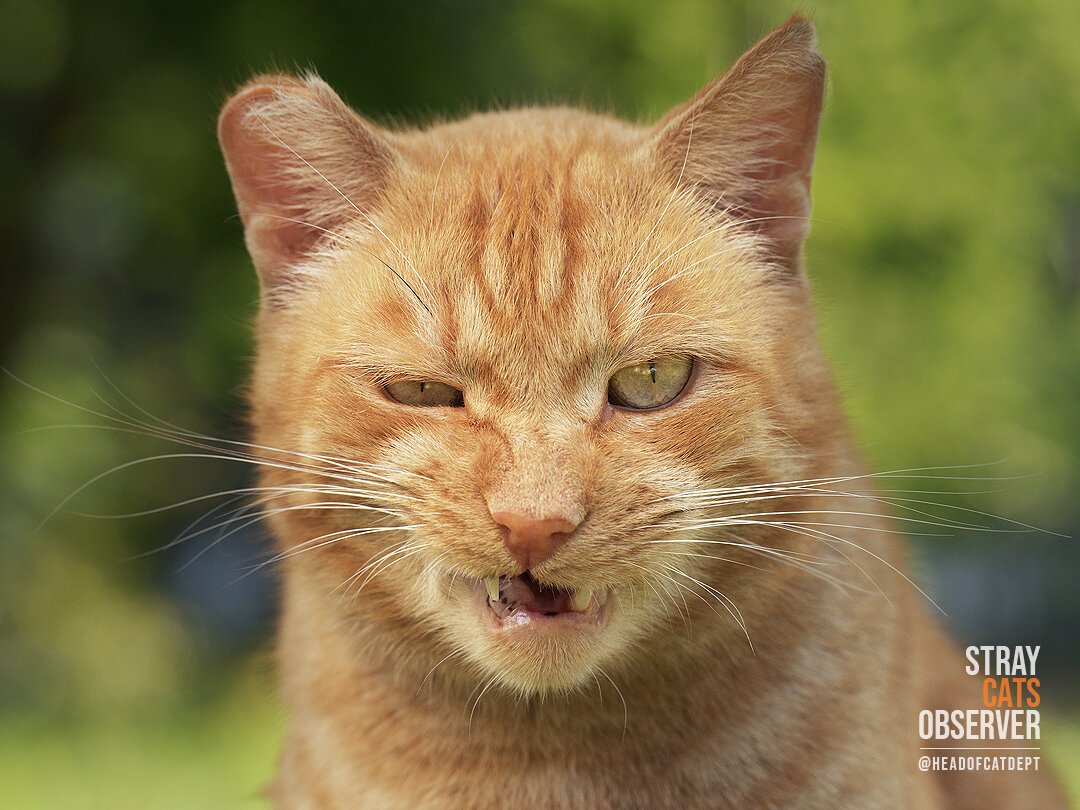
column 618, row 691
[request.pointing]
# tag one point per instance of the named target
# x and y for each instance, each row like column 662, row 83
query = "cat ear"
column 302, row 164
column 746, row 141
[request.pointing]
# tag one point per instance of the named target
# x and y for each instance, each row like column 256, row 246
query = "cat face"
column 515, row 353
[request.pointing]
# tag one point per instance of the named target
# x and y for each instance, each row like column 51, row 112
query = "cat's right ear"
column 302, row 165
column 745, row 143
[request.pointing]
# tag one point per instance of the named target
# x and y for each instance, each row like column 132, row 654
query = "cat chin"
column 532, row 653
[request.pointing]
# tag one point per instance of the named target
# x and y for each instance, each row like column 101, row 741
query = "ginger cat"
column 567, row 513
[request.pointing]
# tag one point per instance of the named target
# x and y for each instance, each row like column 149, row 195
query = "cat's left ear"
column 746, row 141
column 302, row 165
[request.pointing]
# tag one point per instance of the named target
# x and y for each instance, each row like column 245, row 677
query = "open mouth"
column 521, row 599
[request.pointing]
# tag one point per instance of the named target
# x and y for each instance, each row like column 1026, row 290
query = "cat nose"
column 533, row 540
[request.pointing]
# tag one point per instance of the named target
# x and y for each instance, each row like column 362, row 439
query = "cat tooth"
column 491, row 584
column 580, row 599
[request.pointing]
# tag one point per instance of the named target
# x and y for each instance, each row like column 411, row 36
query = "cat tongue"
column 524, row 593
column 531, row 595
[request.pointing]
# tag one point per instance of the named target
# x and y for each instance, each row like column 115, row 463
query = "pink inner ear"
column 778, row 194
column 277, row 227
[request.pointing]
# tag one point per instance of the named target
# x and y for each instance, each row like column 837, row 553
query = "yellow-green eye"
column 425, row 393
column 651, row 384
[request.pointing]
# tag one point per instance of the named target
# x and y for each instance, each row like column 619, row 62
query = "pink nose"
column 533, row 540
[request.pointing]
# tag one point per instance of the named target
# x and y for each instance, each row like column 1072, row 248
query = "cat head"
column 508, row 362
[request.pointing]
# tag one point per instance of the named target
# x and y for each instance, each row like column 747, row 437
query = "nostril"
column 531, row 540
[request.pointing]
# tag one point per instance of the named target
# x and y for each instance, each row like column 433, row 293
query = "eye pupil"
column 652, row 371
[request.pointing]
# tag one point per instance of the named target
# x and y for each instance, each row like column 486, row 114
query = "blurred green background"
column 945, row 256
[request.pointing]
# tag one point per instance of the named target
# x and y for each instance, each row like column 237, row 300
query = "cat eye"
column 649, row 385
column 425, row 393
